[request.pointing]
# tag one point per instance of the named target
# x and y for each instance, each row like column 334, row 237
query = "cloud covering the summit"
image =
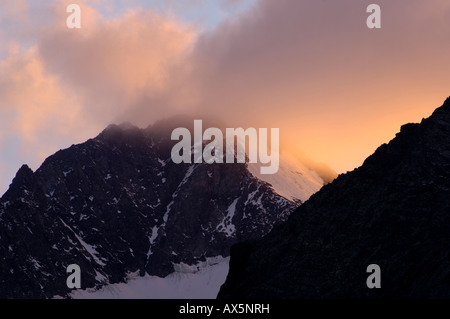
column 312, row 68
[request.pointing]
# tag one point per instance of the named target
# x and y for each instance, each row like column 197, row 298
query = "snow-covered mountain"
column 294, row 180
column 117, row 206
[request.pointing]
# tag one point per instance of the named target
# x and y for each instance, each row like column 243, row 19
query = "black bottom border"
column 245, row 309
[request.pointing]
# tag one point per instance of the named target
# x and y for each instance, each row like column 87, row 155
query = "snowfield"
column 293, row 179
column 200, row 281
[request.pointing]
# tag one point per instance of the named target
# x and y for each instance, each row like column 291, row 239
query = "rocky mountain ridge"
column 393, row 211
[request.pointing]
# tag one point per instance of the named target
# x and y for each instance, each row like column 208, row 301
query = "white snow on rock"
column 152, row 239
column 163, row 163
column 227, row 226
column 35, row 263
column 68, row 172
column 201, row 281
column 175, row 194
column 293, row 179
column 89, row 248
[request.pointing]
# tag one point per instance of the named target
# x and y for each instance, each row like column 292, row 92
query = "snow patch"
column 175, row 194
column 227, row 226
column 68, row 172
column 163, row 163
column 203, row 283
column 293, row 179
column 89, row 248
column 100, row 278
column 152, row 239
column 251, row 196
column 35, row 263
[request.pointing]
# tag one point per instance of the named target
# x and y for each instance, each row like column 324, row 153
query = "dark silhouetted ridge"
column 393, row 211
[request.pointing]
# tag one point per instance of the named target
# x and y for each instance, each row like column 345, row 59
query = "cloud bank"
column 312, row 68
column 61, row 86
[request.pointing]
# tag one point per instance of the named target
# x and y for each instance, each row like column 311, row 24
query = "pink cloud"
column 312, row 68
column 112, row 63
column 70, row 84
column 336, row 89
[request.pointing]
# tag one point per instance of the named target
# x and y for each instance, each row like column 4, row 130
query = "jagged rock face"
column 117, row 204
column 393, row 211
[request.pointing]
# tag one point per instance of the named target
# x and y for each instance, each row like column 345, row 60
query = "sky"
column 336, row 89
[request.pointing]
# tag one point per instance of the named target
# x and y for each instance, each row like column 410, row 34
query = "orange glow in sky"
column 336, row 89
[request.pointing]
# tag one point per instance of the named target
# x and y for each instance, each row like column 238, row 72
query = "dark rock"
column 117, row 204
column 393, row 211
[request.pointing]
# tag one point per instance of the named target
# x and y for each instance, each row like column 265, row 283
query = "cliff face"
column 393, row 211
column 117, row 205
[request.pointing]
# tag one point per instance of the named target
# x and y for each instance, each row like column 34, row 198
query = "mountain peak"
column 24, row 170
column 24, row 175
column 443, row 112
column 117, row 205
column 447, row 101
column 124, row 126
